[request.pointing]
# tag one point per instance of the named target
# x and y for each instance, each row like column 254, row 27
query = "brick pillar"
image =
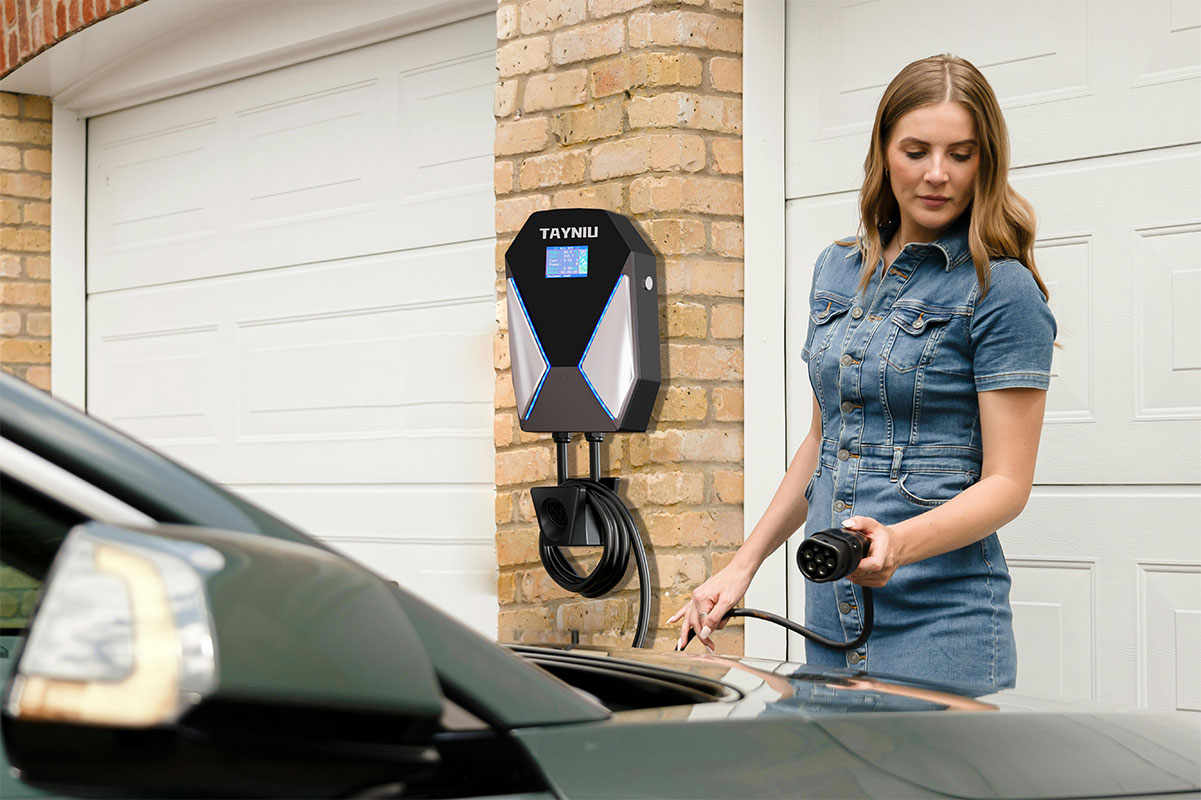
column 633, row 106
column 25, row 237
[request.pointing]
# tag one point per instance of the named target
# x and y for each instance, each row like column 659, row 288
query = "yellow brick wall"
column 25, row 237
column 634, row 106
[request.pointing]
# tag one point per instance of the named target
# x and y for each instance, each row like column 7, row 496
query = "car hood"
column 744, row 686
column 788, row 730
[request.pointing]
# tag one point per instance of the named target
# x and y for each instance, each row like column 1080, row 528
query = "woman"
column 929, row 351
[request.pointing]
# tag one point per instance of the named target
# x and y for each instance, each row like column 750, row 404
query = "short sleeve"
column 1012, row 332
column 817, row 270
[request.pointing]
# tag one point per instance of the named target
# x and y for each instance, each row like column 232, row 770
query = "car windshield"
column 32, row 528
column 128, row 470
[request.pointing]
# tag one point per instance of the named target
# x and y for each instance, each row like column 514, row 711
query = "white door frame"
column 766, row 454
column 68, row 240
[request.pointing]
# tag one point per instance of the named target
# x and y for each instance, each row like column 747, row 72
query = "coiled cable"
column 619, row 536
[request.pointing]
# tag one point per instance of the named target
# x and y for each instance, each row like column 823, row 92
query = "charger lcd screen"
column 567, row 262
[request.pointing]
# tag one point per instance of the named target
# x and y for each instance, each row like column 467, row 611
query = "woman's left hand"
column 882, row 557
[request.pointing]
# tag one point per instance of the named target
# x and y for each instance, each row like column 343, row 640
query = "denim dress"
column 896, row 369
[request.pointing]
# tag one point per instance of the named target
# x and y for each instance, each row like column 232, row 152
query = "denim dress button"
column 853, row 658
column 847, row 407
column 846, row 361
column 856, row 312
column 839, row 505
column 844, row 608
column 843, row 455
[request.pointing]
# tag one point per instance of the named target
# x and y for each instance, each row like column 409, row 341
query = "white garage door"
column 1102, row 99
column 291, row 288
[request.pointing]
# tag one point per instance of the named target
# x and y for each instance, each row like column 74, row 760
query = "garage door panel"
column 311, row 168
column 442, row 216
column 1075, row 78
column 1029, row 62
column 383, row 148
column 156, row 191
column 164, row 387
column 343, row 458
column 382, row 387
column 1168, row 347
column 1053, row 603
column 447, row 152
column 144, row 209
column 1119, row 271
column 1123, row 609
column 439, row 362
column 1169, row 654
column 1168, row 38
column 155, row 384
column 443, row 512
column 289, row 390
column 367, row 289
column 447, row 176
column 1067, row 267
column 389, row 372
column 286, row 167
column 398, row 344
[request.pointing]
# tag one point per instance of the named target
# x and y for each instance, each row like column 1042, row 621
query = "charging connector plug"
column 831, row 554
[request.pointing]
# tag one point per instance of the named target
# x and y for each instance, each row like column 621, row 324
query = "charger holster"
column 564, row 517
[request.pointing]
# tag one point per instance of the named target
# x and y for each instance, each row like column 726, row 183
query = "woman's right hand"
column 710, row 601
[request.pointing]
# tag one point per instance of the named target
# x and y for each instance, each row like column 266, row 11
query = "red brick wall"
column 25, row 237
column 634, row 106
column 30, row 26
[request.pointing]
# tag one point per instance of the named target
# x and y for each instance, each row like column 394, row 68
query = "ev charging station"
column 583, row 310
column 583, row 322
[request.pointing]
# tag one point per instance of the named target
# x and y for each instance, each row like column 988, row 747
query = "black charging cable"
column 795, row 627
column 825, row 556
column 618, row 537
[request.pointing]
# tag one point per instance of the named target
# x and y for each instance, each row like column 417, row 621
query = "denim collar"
column 953, row 244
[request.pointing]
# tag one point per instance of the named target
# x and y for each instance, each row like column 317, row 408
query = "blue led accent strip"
column 591, row 338
column 537, row 341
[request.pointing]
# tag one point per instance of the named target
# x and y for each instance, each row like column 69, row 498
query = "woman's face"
column 932, row 157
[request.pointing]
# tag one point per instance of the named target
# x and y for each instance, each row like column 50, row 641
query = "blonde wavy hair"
column 1002, row 223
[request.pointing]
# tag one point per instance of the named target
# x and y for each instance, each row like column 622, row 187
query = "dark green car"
column 167, row 638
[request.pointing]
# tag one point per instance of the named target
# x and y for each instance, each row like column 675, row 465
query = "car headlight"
column 124, row 637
